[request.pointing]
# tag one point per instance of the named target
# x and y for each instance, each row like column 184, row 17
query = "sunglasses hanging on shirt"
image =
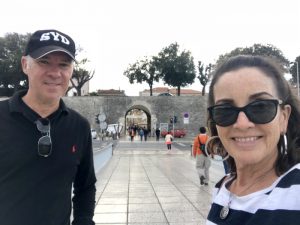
column 44, row 143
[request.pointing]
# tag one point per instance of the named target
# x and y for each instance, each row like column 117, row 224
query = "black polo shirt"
column 36, row 190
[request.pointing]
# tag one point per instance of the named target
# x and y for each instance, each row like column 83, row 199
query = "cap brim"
column 41, row 52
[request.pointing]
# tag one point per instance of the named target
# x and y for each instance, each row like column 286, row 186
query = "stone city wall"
column 158, row 108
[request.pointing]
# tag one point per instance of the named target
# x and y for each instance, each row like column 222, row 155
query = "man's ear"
column 25, row 64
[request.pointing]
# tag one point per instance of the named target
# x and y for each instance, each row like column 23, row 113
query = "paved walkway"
column 144, row 184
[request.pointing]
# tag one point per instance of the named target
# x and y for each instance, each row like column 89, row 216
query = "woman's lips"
column 245, row 139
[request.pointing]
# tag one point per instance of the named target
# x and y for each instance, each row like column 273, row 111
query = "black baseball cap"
column 43, row 42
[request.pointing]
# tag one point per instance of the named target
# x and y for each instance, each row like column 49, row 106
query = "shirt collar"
column 17, row 105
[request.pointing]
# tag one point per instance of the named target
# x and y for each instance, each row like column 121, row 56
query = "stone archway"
column 158, row 109
column 138, row 115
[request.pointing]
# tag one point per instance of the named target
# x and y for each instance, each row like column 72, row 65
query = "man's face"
column 48, row 76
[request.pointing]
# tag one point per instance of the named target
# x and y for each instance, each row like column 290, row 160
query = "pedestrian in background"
column 226, row 167
column 141, row 133
column 145, row 133
column 202, row 161
column 132, row 134
column 157, row 133
column 168, row 140
column 153, row 132
column 46, row 151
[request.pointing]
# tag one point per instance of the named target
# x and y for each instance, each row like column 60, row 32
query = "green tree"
column 94, row 93
column 176, row 68
column 12, row 47
column 263, row 50
column 144, row 70
column 204, row 75
column 80, row 76
column 293, row 71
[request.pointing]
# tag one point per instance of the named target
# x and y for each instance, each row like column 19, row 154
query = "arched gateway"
column 150, row 111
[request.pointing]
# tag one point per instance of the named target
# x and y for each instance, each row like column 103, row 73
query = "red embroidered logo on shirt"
column 74, row 148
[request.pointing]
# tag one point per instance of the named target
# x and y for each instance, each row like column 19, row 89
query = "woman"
column 169, row 139
column 251, row 111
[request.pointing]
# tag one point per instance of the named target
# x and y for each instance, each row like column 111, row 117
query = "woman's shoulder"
column 289, row 178
column 284, row 194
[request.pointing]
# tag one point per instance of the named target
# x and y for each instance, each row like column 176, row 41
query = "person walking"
column 168, row 140
column 46, row 147
column 226, row 167
column 131, row 134
column 153, row 132
column 141, row 133
column 145, row 133
column 202, row 161
column 157, row 133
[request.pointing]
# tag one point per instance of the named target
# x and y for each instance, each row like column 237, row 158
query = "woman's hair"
column 285, row 159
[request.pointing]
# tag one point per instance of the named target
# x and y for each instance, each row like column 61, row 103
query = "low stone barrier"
column 102, row 156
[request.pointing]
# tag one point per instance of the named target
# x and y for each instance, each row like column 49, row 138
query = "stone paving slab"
column 144, row 184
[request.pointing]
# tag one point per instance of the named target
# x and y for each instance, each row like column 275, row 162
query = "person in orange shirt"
column 202, row 161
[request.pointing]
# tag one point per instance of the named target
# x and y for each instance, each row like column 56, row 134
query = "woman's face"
column 249, row 143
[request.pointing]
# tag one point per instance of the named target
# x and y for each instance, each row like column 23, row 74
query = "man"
column 145, row 133
column 157, row 133
column 141, row 133
column 45, row 147
column 202, row 161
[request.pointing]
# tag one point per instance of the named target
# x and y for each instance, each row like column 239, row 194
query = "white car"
column 112, row 128
column 93, row 133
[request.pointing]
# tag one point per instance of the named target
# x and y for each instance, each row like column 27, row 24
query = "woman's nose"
column 243, row 121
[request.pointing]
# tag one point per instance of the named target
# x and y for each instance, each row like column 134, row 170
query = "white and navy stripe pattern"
column 275, row 205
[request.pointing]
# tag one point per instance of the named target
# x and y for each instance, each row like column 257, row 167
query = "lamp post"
column 297, row 70
column 297, row 76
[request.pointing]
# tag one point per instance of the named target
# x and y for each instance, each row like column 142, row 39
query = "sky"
column 116, row 33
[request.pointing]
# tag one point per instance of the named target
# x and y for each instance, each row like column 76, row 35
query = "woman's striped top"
column 278, row 204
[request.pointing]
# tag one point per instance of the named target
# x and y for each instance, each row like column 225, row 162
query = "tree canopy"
column 204, row 75
column 12, row 78
column 176, row 68
column 144, row 70
column 294, row 72
column 262, row 50
column 80, row 76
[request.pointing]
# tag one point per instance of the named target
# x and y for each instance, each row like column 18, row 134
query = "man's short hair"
column 202, row 130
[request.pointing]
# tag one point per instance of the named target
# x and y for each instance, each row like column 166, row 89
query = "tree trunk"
column 178, row 91
column 150, row 90
column 203, row 91
column 78, row 91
